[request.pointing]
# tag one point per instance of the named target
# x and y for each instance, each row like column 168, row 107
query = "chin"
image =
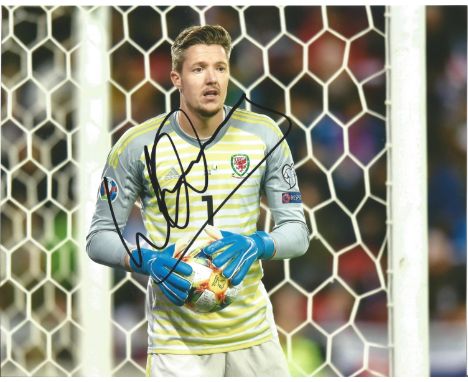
column 208, row 113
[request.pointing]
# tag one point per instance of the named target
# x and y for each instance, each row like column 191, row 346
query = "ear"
column 176, row 79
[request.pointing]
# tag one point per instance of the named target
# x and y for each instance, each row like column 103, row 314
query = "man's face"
column 203, row 80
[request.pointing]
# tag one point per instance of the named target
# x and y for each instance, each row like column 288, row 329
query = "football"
column 210, row 290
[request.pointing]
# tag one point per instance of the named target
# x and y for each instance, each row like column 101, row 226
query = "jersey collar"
column 193, row 140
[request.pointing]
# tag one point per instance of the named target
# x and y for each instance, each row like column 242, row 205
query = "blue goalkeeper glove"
column 242, row 252
column 158, row 264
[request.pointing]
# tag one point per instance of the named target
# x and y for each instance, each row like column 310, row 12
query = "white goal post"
column 407, row 186
column 95, row 303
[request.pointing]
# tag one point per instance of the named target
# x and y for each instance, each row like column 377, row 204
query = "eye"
column 222, row 69
column 197, row 69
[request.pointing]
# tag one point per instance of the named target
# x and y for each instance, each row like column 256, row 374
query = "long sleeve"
column 290, row 232
column 123, row 171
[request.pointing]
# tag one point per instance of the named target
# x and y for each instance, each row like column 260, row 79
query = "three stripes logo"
column 172, row 174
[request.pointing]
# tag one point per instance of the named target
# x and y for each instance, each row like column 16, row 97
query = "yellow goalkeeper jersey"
column 239, row 147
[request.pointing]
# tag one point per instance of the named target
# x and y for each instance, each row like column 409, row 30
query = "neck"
column 205, row 126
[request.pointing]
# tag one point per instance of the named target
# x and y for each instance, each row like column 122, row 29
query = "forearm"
column 291, row 240
column 104, row 247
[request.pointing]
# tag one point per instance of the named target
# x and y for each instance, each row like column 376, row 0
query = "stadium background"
column 315, row 296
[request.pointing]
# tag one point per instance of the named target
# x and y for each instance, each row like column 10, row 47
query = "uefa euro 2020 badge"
column 112, row 188
column 289, row 175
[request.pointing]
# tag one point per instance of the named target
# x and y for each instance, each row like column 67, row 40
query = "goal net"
column 322, row 66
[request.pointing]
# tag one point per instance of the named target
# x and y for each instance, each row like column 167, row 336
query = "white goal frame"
column 407, row 191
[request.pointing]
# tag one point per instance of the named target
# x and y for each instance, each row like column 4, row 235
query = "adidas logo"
column 172, row 174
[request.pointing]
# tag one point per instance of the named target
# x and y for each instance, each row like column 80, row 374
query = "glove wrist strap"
column 134, row 266
column 268, row 244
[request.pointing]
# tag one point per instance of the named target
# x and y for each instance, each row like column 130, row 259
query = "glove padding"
column 158, row 264
column 241, row 253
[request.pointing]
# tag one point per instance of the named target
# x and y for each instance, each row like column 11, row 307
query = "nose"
column 211, row 76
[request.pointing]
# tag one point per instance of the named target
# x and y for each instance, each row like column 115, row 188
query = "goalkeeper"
column 240, row 340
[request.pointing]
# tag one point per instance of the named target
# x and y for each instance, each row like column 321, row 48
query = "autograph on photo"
column 182, row 185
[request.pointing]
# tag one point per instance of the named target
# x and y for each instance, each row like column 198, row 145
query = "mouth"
column 210, row 94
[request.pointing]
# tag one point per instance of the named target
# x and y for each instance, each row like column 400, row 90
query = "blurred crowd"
column 335, row 145
column 447, row 78
column 446, row 121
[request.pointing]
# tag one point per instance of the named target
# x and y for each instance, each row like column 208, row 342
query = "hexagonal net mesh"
column 322, row 66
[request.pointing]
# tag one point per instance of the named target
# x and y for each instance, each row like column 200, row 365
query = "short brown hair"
column 206, row 34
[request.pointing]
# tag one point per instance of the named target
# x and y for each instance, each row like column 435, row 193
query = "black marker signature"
column 182, row 185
